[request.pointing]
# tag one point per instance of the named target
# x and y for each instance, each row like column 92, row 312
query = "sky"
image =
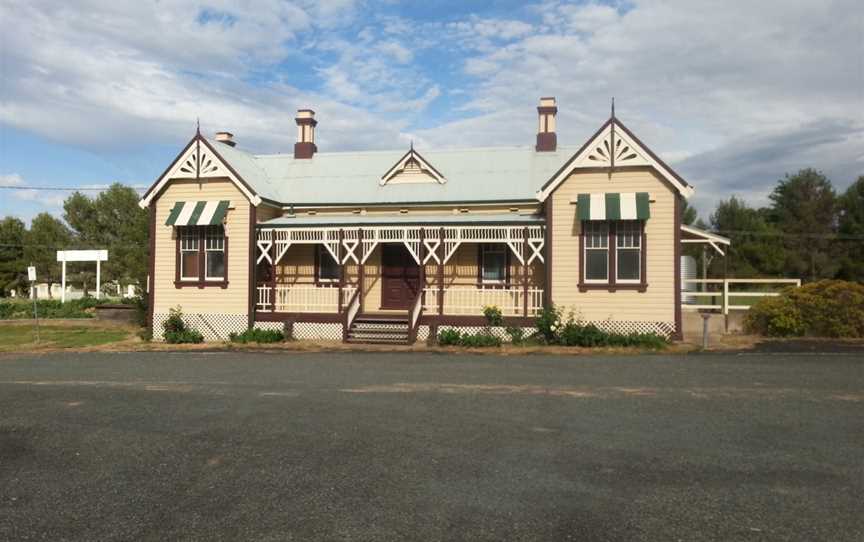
column 731, row 94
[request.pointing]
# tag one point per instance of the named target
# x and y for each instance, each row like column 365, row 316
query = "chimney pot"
column 305, row 146
column 547, row 139
column 226, row 137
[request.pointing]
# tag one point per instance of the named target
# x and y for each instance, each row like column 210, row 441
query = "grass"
column 18, row 337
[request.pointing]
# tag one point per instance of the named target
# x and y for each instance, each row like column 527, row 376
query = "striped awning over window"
column 613, row 206
column 197, row 213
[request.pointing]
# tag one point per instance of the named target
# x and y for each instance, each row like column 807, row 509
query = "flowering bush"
column 548, row 324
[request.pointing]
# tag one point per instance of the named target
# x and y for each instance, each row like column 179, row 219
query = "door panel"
column 400, row 277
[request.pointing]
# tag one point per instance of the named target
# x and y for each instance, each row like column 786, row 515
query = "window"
column 596, row 251
column 493, row 263
column 628, row 244
column 613, row 255
column 214, row 253
column 327, row 269
column 202, row 254
column 189, row 239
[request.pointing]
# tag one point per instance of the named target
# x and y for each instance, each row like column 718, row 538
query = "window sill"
column 638, row 287
column 201, row 284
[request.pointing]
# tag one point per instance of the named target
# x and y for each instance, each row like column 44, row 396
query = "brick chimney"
column 226, row 137
column 305, row 146
column 547, row 140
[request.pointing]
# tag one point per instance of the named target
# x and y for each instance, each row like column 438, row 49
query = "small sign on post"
column 31, row 276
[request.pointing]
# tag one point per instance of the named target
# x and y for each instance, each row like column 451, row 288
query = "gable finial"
column 198, row 126
column 613, row 107
column 412, row 144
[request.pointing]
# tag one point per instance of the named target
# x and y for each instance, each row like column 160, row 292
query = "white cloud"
column 11, row 179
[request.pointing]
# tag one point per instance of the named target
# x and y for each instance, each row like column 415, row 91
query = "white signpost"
column 31, row 276
column 64, row 256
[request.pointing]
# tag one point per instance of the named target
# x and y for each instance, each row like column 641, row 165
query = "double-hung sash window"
column 189, row 245
column 493, row 263
column 613, row 254
column 628, row 246
column 596, row 252
column 201, row 256
column 327, row 269
column 214, row 253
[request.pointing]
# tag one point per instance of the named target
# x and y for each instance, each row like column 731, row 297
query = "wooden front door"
column 400, row 277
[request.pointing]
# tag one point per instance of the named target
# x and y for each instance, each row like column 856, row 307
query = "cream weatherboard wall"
column 213, row 310
column 657, row 304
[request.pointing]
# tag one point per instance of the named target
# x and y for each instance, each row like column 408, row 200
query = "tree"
column 689, row 215
column 13, row 268
column 803, row 210
column 755, row 249
column 850, row 246
column 112, row 221
column 47, row 235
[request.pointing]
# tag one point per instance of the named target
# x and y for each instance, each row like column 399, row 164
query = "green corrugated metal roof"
column 481, row 174
column 406, row 219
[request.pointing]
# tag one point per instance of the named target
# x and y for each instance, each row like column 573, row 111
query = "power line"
column 68, row 189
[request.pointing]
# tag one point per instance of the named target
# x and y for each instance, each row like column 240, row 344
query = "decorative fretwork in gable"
column 198, row 162
column 612, row 148
column 412, row 168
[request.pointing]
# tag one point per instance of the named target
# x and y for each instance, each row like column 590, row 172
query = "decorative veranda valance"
column 613, row 206
column 197, row 213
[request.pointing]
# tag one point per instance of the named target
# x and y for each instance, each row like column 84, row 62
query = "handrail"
column 414, row 313
column 351, row 310
column 726, row 294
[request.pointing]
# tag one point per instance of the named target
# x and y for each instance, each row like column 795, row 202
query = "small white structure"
column 97, row 256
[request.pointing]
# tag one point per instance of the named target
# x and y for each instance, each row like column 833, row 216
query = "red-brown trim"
column 612, row 285
column 679, row 332
column 311, row 317
column 547, row 247
column 201, row 282
column 152, row 268
column 253, row 280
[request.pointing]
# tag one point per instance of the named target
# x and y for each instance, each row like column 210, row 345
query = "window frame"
column 323, row 281
column 201, row 280
column 585, row 248
column 612, row 283
column 483, row 282
column 638, row 234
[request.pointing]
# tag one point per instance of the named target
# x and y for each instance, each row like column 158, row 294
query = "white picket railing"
column 305, row 298
column 472, row 300
column 691, row 299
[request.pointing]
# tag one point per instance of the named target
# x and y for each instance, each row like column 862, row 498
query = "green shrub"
column 479, row 340
column 176, row 331
column 449, row 337
column 493, row 316
column 256, row 335
column 48, row 308
column 575, row 334
column 827, row 308
column 517, row 334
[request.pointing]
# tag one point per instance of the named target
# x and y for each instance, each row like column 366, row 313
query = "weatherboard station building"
column 394, row 246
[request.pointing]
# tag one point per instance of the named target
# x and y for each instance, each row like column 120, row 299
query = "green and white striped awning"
column 197, row 213
column 613, row 206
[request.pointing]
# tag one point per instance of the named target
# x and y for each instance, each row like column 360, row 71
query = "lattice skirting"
column 664, row 329
column 214, row 327
column 422, row 334
column 318, row 331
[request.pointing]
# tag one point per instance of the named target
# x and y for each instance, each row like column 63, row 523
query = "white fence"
column 724, row 297
column 471, row 301
column 303, row 298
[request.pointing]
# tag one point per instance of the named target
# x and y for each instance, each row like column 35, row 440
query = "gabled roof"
column 412, row 158
column 478, row 175
column 614, row 146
